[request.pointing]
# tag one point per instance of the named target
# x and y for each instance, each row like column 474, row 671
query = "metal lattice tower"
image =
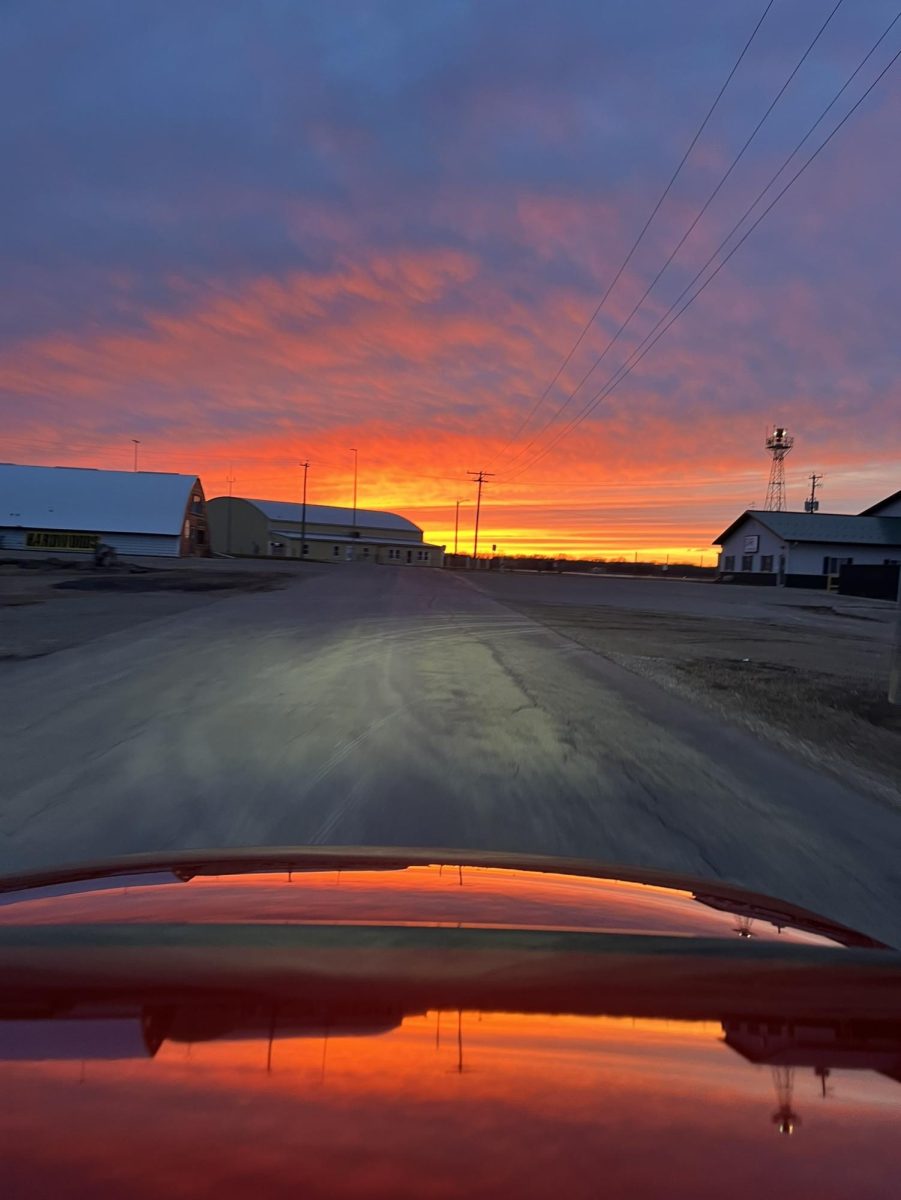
column 784, row 1118
column 778, row 444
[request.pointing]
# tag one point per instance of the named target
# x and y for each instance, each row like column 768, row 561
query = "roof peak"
column 97, row 470
column 290, row 510
column 797, row 526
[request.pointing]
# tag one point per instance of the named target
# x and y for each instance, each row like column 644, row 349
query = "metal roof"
column 84, row 498
column 823, row 527
column 326, row 514
column 355, row 541
column 888, row 502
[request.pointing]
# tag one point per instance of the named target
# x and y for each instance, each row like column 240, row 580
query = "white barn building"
column 805, row 549
column 55, row 510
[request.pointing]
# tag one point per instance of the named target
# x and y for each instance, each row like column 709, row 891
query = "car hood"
column 406, row 1023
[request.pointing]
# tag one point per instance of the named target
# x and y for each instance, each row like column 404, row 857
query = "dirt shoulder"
column 816, row 691
column 48, row 605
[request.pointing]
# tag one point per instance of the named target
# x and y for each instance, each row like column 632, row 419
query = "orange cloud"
column 427, row 363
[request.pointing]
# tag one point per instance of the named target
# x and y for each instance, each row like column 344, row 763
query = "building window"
column 394, row 554
column 187, row 529
column 336, row 551
column 306, row 548
column 729, row 562
column 832, row 566
column 747, row 562
column 766, row 562
column 365, row 551
column 425, row 555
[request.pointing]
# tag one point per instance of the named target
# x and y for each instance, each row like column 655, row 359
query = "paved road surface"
column 370, row 705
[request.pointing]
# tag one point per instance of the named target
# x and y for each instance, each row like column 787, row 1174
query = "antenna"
column 778, row 443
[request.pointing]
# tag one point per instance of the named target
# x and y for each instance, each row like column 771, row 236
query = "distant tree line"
column 601, row 566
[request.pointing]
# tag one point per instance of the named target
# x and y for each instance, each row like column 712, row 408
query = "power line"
column 69, row 449
column 700, row 213
column 640, row 238
column 647, row 344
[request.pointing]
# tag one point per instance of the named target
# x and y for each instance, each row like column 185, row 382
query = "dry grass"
column 817, row 691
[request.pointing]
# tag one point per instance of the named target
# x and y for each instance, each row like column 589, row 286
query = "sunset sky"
column 246, row 234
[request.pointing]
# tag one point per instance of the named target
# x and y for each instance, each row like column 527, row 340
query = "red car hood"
column 391, row 1024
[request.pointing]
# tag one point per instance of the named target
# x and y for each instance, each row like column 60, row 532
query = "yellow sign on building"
column 45, row 539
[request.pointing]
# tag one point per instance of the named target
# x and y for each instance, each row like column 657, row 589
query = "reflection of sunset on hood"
column 421, row 895
column 446, row 1104
column 387, row 234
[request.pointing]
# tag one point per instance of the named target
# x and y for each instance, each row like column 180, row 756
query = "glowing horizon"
column 390, row 235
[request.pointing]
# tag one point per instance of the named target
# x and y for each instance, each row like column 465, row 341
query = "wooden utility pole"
column 353, row 450
column 894, row 673
column 303, row 511
column 479, row 477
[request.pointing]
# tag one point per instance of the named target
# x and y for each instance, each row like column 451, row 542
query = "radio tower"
column 778, row 443
column 784, row 1118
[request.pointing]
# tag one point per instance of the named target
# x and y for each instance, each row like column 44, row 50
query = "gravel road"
column 371, row 705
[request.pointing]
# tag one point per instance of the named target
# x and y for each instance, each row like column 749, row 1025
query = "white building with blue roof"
column 69, row 510
column 808, row 549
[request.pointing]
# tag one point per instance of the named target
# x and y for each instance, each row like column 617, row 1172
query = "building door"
column 781, row 578
column 409, row 556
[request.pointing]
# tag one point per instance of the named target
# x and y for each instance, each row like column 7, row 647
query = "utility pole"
column 136, row 444
column 354, row 451
column 456, row 526
column 479, row 477
column 303, row 511
column 228, row 516
column 812, row 504
column 894, row 674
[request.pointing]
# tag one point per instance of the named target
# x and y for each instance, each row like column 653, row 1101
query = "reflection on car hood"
column 352, row 1023
column 407, row 888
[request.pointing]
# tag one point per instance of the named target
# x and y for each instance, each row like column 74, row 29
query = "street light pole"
column 136, row 444
column 354, row 450
column 228, row 520
column 303, row 511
